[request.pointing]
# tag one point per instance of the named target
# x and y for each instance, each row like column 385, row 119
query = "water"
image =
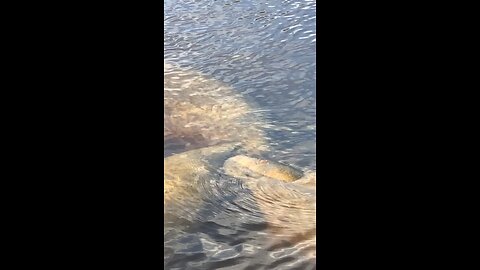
column 240, row 71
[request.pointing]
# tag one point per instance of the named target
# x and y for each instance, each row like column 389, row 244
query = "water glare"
column 239, row 79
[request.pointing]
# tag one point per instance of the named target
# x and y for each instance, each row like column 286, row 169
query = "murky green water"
column 241, row 71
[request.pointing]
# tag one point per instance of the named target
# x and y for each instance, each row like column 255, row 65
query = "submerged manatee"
column 285, row 196
column 214, row 125
column 200, row 111
column 248, row 167
column 183, row 172
column 287, row 205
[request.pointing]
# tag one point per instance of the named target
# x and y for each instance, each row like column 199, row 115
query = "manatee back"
column 200, row 111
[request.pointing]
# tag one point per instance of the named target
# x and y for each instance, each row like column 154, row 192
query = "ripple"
column 263, row 53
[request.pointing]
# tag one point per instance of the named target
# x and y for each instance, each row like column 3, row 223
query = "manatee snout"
column 243, row 166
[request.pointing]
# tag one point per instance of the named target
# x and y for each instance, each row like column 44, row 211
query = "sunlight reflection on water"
column 259, row 58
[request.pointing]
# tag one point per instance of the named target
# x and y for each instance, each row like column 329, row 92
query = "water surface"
column 261, row 53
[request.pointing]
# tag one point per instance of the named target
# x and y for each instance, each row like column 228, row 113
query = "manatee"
column 219, row 131
column 183, row 172
column 245, row 167
column 200, row 111
column 285, row 196
column 187, row 169
column 286, row 203
column 282, row 203
column 202, row 118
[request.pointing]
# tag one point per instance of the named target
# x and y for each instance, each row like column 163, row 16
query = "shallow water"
column 256, row 59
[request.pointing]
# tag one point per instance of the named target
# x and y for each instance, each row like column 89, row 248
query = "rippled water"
column 239, row 71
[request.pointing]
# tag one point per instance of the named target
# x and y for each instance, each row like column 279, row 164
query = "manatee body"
column 183, row 172
column 214, row 125
column 200, row 111
column 271, row 191
column 286, row 207
column 285, row 196
column 244, row 166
